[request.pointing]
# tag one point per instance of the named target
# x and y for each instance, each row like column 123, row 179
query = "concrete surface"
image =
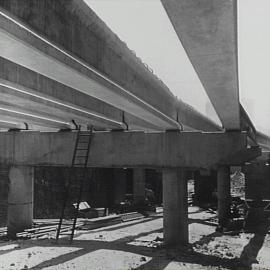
column 223, row 194
column 134, row 245
column 175, row 207
column 67, row 52
column 208, row 32
column 123, row 149
column 20, row 199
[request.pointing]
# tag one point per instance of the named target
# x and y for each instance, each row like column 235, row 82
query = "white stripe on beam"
column 49, row 105
column 24, row 47
column 20, row 118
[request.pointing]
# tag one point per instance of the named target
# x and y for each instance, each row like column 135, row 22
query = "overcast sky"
column 145, row 27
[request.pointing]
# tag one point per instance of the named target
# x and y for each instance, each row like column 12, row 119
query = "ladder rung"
column 85, row 135
column 79, row 163
column 83, row 142
column 80, row 160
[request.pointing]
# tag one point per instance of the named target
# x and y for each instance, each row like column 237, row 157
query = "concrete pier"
column 20, row 199
column 138, row 185
column 224, row 196
column 175, row 207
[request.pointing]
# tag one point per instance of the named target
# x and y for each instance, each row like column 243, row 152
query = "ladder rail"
column 67, row 185
column 81, row 186
column 82, row 179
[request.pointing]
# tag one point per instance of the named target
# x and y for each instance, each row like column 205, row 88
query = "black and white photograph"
column 134, row 134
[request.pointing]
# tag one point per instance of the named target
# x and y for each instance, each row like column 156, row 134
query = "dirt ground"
column 138, row 245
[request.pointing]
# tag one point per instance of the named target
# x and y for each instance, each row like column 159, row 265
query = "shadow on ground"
column 251, row 250
column 160, row 256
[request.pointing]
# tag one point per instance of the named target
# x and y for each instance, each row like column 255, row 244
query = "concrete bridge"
column 61, row 65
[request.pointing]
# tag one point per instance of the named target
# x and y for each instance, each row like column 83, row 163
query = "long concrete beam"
column 4, row 124
column 18, row 98
column 21, row 45
column 20, row 117
column 25, row 86
column 208, row 32
column 27, row 89
column 79, row 39
column 124, row 149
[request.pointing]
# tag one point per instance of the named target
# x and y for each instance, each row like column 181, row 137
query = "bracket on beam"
column 20, row 129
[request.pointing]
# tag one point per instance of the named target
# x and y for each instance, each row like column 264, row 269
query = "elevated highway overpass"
column 61, row 66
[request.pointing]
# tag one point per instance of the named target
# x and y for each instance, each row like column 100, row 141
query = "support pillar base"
column 224, row 196
column 175, row 207
column 20, row 199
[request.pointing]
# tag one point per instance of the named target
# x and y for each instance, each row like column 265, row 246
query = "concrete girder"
column 40, row 117
column 41, row 91
column 10, row 125
column 8, row 114
column 22, row 80
column 194, row 120
column 24, row 47
column 67, row 100
column 17, row 98
column 208, row 32
column 189, row 117
column 124, row 149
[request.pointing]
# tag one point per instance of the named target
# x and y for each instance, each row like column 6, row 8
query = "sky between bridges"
column 145, row 27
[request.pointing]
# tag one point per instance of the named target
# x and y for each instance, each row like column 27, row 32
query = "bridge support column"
column 138, row 185
column 20, row 199
column 175, row 207
column 224, row 194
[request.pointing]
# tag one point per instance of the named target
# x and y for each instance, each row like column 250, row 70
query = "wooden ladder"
column 79, row 160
